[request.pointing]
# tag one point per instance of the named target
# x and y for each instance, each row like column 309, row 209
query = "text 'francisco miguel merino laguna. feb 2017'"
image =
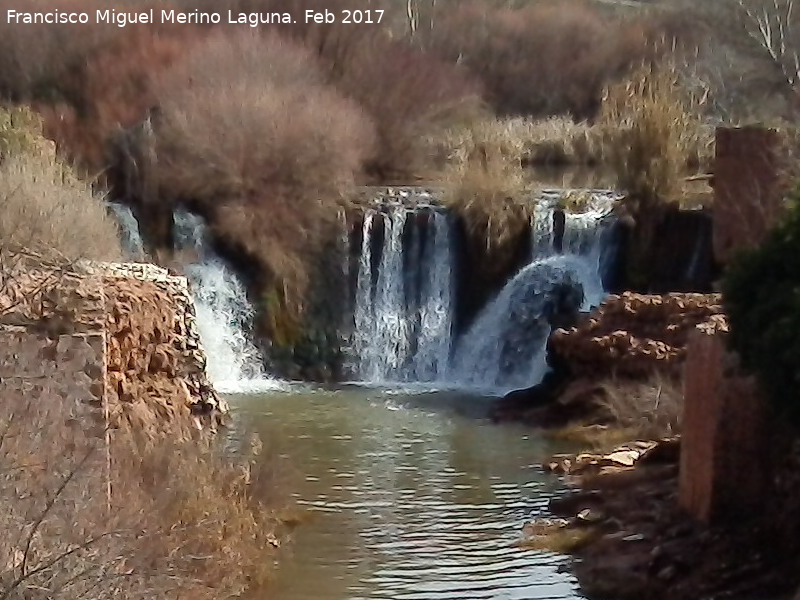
column 251, row 19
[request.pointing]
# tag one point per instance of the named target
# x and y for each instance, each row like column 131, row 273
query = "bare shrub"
column 542, row 59
column 247, row 116
column 247, row 127
column 112, row 89
column 34, row 56
column 652, row 128
column 410, row 95
column 649, row 409
column 180, row 520
column 44, row 205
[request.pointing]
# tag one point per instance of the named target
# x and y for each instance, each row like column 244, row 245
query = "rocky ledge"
column 634, row 334
column 117, row 338
column 624, row 342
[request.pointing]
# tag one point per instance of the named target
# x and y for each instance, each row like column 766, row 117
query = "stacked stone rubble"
column 633, row 334
column 156, row 364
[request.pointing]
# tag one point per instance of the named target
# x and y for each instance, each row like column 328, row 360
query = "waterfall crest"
column 223, row 312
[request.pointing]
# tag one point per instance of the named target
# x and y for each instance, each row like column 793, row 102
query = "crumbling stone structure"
column 118, row 340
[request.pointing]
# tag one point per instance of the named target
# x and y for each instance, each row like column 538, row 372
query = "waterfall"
column 404, row 295
column 505, row 348
column 583, row 236
column 223, row 312
column 129, row 231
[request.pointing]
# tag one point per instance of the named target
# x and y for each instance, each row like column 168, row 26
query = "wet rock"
column 621, row 458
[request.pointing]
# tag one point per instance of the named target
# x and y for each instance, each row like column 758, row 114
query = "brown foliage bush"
column 248, row 116
column 543, row 59
column 410, row 95
column 112, row 89
column 33, row 57
column 246, row 126
column 87, row 517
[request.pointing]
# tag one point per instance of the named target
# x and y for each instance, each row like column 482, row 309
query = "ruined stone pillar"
column 724, row 471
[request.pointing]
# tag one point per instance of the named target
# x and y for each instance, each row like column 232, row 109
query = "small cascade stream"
column 404, row 296
column 223, row 312
column 130, row 236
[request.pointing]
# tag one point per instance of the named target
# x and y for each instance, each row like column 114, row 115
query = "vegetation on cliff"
column 89, row 510
column 44, row 205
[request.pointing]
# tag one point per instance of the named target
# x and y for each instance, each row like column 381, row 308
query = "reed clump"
column 488, row 189
column 652, row 130
column 44, row 205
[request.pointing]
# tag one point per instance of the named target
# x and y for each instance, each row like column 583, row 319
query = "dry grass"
column 180, row 522
column 650, row 410
column 598, row 438
column 652, row 130
column 558, row 141
column 488, row 189
column 21, row 133
column 44, row 205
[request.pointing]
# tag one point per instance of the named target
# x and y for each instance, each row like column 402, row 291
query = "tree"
column 773, row 28
column 761, row 292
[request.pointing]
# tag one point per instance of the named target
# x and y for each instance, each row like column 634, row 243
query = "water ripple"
column 410, row 504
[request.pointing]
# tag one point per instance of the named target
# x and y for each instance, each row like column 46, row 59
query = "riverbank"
column 635, row 541
column 112, row 480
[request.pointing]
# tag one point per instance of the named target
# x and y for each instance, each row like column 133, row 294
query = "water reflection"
column 408, row 502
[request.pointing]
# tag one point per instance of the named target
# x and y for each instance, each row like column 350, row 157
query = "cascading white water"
column 234, row 364
column 404, row 297
column 434, row 337
column 130, row 236
column 505, row 348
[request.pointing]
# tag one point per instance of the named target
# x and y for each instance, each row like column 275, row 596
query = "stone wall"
column 634, row 334
column 117, row 338
column 725, row 458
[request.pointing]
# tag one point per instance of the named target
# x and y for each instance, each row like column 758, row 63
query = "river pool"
column 409, row 495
